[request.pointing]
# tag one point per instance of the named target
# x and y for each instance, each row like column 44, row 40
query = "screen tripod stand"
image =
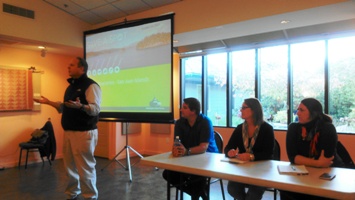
column 128, row 162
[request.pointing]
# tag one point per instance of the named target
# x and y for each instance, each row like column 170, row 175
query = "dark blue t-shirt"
column 202, row 131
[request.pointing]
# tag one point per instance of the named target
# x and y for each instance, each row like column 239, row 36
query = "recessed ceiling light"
column 285, row 21
column 41, row 47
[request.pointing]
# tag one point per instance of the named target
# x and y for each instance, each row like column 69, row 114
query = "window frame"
column 290, row 80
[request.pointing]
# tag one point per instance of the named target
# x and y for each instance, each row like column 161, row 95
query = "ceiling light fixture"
column 285, row 21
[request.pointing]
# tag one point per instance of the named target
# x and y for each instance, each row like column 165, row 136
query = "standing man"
column 195, row 130
column 80, row 113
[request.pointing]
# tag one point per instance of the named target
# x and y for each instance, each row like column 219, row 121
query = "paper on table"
column 233, row 160
column 292, row 169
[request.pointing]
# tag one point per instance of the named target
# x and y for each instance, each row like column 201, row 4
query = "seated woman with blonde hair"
column 252, row 140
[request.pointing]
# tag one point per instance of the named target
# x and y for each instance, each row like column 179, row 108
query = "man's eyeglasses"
column 244, row 107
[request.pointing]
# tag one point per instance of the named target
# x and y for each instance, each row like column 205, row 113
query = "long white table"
column 261, row 173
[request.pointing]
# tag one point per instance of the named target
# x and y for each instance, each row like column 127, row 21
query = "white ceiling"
column 98, row 11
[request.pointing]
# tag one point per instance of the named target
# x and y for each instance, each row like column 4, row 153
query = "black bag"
column 39, row 136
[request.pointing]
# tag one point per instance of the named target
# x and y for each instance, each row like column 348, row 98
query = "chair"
column 276, row 156
column 219, row 143
column 345, row 156
column 277, row 151
column 42, row 141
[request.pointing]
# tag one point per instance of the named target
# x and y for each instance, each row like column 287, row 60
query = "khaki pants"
column 79, row 162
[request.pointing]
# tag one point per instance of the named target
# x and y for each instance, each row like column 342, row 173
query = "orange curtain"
column 16, row 90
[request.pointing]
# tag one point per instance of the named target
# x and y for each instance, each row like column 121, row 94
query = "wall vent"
column 18, row 11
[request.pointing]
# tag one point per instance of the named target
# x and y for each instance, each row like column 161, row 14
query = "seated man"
column 196, row 133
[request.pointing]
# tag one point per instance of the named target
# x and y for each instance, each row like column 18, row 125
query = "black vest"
column 76, row 119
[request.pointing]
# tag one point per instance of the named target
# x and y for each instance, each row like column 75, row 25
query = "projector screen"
column 132, row 63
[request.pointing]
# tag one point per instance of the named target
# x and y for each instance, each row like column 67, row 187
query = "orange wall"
column 16, row 127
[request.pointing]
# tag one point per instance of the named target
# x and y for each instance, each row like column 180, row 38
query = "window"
column 280, row 77
column 216, row 67
column 341, row 58
column 307, row 61
column 192, row 77
column 273, row 84
column 242, row 81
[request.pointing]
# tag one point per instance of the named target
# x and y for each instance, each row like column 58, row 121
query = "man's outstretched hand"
column 41, row 100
